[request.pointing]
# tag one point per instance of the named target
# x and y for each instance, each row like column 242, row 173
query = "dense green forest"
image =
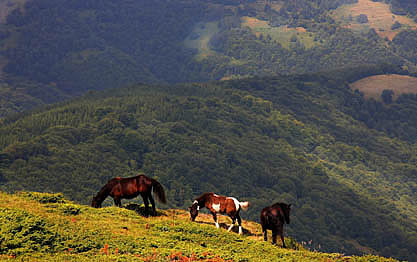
column 53, row 49
column 304, row 139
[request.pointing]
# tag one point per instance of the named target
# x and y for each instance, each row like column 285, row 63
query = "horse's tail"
column 158, row 190
column 104, row 192
column 244, row 205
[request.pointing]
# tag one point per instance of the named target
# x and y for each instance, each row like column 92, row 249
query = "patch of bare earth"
column 379, row 16
column 251, row 229
column 374, row 85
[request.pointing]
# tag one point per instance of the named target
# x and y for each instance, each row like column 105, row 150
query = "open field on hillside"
column 7, row 6
column 200, row 38
column 282, row 34
column 374, row 85
column 276, row 6
column 46, row 227
column 379, row 16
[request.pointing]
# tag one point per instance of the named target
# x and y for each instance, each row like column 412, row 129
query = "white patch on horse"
column 215, row 195
column 216, row 207
column 237, row 205
column 195, row 202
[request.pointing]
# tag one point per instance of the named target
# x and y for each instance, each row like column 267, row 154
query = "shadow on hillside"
column 225, row 226
column 140, row 210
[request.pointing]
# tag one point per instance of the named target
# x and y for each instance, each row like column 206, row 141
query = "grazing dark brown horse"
column 274, row 217
column 129, row 188
column 219, row 204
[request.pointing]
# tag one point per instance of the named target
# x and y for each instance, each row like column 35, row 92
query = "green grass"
column 200, row 38
column 281, row 34
column 46, row 227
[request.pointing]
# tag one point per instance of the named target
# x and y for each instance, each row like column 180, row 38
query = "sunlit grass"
column 379, row 16
column 59, row 230
column 373, row 86
column 282, row 34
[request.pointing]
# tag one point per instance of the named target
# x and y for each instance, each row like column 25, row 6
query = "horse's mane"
column 204, row 197
column 281, row 205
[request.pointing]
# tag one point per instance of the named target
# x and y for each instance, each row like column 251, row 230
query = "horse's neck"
column 203, row 200
column 201, row 203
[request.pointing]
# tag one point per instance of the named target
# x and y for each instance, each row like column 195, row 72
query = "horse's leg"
column 239, row 221
column 264, row 227
column 274, row 236
column 152, row 203
column 281, row 234
column 265, row 233
column 233, row 223
column 117, row 201
column 283, row 242
column 215, row 219
column 146, row 203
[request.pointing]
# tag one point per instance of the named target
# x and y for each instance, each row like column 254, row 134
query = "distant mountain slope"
column 93, row 45
column 46, row 227
column 299, row 139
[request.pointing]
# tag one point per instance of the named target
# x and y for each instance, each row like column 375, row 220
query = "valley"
column 263, row 100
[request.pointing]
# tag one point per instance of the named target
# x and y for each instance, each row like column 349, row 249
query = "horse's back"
column 270, row 217
column 265, row 214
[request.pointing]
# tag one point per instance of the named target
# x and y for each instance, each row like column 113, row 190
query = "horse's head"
column 95, row 203
column 194, row 208
column 286, row 208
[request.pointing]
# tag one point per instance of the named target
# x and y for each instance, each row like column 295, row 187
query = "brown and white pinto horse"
column 129, row 188
column 219, row 204
column 274, row 217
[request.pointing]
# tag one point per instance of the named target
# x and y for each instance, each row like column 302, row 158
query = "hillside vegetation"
column 308, row 140
column 65, row 48
column 46, row 227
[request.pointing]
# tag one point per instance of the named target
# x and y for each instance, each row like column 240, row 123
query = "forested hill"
column 53, row 49
column 305, row 139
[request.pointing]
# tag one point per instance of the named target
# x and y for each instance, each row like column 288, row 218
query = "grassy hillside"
column 373, row 86
column 46, row 227
column 300, row 139
column 380, row 18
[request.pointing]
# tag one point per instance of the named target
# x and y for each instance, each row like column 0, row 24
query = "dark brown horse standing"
column 129, row 188
column 274, row 217
column 219, row 204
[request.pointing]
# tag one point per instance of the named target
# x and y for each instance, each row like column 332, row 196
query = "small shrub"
column 43, row 197
column 396, row 25
column 69, row 209
column 362, row 19
column 21, row 232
